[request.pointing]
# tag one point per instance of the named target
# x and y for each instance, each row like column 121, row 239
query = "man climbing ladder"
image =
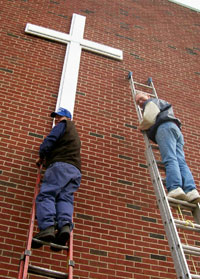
column 165, row 131
column 60, row 152
column 54, row 204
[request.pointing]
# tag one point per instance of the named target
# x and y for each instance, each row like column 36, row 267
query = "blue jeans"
column 54, row 203
column 170, row 141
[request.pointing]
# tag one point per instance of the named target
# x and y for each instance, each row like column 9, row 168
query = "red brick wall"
column 118, row 230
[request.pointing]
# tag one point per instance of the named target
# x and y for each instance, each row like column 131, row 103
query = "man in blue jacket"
column 163, row 128
column 60, row 151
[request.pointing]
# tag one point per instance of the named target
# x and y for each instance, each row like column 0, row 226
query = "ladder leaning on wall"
column 166, row 204
column 25, row 267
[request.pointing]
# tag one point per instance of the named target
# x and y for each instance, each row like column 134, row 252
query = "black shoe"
column 47, row 235
column 62, row 237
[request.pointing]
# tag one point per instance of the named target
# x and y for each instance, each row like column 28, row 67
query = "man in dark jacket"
column 54, row 204
column 163, row 128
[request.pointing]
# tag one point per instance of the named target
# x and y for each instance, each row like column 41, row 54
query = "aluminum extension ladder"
column 24, row 267
column 165, row 204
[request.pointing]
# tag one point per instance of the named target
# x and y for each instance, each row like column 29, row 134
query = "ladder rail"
column 167, row 218
column 24, row 261
column 138, row 110
column 150, row 81
column 70, row 262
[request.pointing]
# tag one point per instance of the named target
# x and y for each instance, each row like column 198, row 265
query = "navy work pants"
column 54, row 203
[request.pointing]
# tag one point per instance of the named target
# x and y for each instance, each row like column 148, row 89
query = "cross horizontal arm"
column 102, row 49
column 65, row 38
column 48, row 33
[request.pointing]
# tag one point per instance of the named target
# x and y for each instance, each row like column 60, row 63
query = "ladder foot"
column 130, row 75
column 149, row 81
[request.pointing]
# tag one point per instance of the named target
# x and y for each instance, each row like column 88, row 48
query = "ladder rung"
column 138, row 83
column 160, row 165
column 191, row 249
column 51, row 244
column 46, row 272
column 187, row 225
column 176, row 203
column 154, row 146
column 193, row 276
column 163, row 180
column 159, row 162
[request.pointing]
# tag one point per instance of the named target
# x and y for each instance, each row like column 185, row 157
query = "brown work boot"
column 47, row 235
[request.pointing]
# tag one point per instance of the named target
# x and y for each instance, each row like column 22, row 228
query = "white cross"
column 75, row 41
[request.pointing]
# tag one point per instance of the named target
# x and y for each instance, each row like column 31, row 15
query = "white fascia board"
column 191, row 7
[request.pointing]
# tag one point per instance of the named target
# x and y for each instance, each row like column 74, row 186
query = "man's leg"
column 64, row 204
column 65, row 199
column 45, row 208
column 187, row 177
column 189, row 186
column 45, row 201
column 166, row 138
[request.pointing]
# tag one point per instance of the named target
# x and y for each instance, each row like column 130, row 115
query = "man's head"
column 62, row 112
column 140, row 98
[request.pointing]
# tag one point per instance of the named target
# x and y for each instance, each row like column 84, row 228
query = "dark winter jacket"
column 62, row 145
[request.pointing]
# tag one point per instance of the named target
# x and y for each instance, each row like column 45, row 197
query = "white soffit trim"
column 191, row 4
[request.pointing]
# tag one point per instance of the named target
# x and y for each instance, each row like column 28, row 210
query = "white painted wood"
column 190, row 4
column 75, row 43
